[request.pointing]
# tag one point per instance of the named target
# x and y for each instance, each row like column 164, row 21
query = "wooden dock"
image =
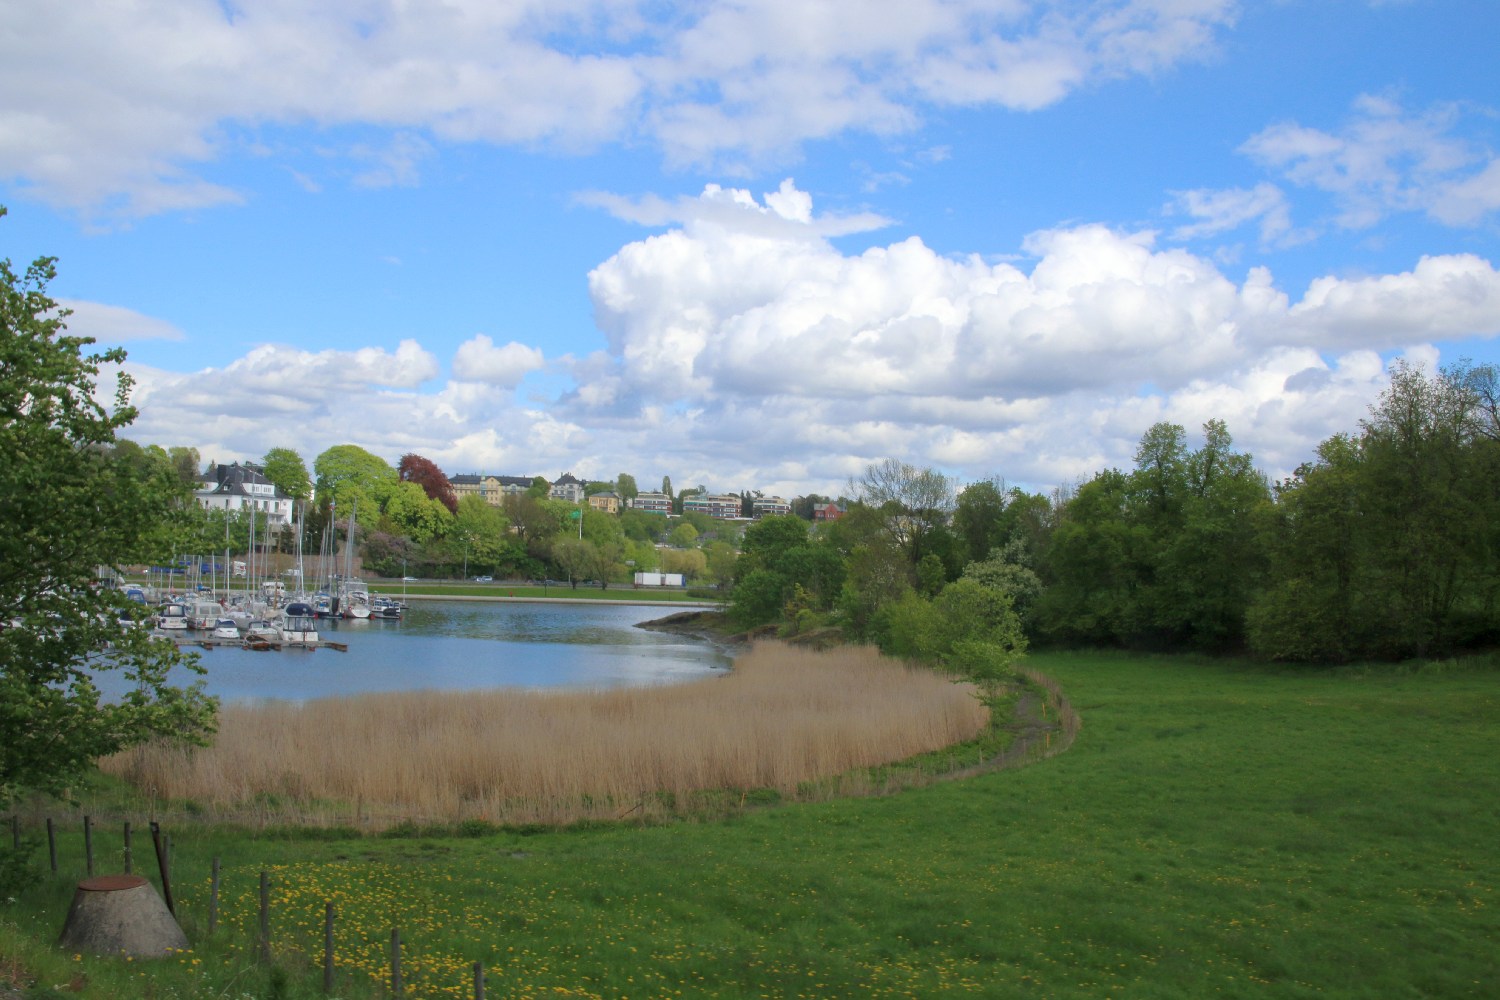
column 260, row 645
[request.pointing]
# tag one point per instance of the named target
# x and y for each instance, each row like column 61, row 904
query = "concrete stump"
column 120, row 915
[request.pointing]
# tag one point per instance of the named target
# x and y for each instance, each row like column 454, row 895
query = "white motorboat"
column 172, row 617
column 225, row 628
column 261, row 630
column 298, row 626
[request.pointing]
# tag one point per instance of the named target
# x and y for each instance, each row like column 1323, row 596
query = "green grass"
column 1218, row 829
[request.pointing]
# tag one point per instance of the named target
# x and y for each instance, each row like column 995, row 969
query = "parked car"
column 484, row 579
column 410, row 579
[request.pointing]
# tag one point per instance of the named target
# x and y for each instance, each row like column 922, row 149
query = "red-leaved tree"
column 422, row 471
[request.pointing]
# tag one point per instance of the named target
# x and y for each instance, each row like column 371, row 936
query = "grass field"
column 1217, row 829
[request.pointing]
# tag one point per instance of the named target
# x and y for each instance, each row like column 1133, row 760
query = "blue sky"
column 759, row 245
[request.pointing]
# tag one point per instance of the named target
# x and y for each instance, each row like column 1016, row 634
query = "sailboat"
column 354, row 596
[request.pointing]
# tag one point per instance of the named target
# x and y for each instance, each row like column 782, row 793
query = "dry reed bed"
column 783, row 716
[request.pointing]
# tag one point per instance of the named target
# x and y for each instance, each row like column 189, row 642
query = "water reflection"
column 460, row 645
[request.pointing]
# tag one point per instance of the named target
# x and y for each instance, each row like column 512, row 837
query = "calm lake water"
column 470, row 645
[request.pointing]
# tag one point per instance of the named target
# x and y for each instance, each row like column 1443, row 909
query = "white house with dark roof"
column 567, row 487
column 237, row 487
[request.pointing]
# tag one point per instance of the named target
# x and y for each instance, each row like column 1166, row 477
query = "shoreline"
column 626, row 601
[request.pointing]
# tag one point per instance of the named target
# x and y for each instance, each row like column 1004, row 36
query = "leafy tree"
column 642, row 557
column 349, row 476
column 625, row 487
column 578, row 558
column 969, row 627
column 818, row 569
column 758, row 598
column 916, row 502
column 72, row 504
column 683, row 536
column 704, row 524
column 1094, row 565
column 188, row 465
column 1211, row 567
column 979, row 518
column 720, row 557
column 484, row 527
column 415, row 514
column 641, row 526
column 285, row 468
column 769, row 538
column 425, row 473
column 1004, row 571
column 1307, row 612
column 691, row 563
column 666, row 486
column 534, row 521
column 1386, row 546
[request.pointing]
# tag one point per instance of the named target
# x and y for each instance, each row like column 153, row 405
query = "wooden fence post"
column 52, row 844
column 129, row 854
column 88, row 845
column 164, row 867
column 478, row 981
column 15, row 832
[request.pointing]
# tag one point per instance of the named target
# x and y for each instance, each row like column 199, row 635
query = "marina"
column 449, row 645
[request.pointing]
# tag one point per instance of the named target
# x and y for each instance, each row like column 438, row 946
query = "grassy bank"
column 1216, row 830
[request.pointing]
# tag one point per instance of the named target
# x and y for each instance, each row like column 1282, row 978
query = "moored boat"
column 386, row 607
column 298, row 627
column 261, row 630
column 172, row 617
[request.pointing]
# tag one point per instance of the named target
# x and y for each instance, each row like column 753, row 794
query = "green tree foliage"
column 73, row 503
column 188, row 465
column 535, row 521
column 349, row 476
column 492, row 548
column 578, row 558
column 979, row 518
column 763, row 579
column 720, row 557
column 415, row 514
column 1006, row 572
column 642, row 526
column 1168, row 556
column 285, row 468
column 969, row 627
column 1386, row 545
column 691, row 563
column 1095, row 557
column 684, row 536
column 625, row 487
column 916, row 503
